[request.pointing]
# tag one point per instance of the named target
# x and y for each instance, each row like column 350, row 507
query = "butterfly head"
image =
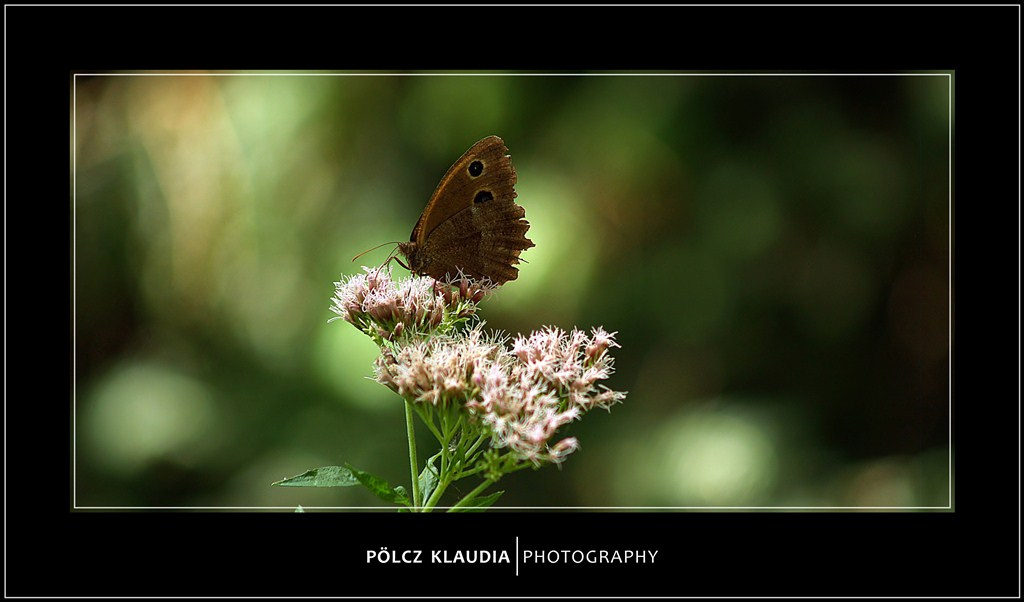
column 411, row 252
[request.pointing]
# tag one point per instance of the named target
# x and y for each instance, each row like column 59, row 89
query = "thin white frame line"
column 6, row 422
column 949, row 506
column 949, row 280
column 510, row 74
column 546, row 597
column 502, row 508
column 1018, row 300
column 510, row 597
column 527, row 5
column 74, row 289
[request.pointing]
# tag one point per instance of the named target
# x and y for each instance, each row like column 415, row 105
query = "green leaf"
column 428, row 481
column 480, row 503
column 327, row 476
column 380, row 488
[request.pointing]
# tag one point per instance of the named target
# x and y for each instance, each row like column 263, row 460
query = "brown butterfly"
column 472, row 222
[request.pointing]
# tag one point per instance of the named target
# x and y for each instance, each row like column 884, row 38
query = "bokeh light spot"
column 144, row 412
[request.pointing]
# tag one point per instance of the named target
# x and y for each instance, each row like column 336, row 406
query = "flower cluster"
column 522, row 396
column 415, row 307
column 518, row 396
column 438, row 371
column 569, row 364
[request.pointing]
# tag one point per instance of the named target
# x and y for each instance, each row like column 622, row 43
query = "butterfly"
column 472, row 223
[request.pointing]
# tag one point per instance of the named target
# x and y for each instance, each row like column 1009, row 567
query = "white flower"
column 522, row 395
column 413, row 307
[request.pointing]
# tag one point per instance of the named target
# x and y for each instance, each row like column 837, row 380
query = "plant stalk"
column 410, row 428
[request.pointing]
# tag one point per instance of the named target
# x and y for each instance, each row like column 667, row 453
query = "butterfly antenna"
column 393, row 242
column 392, row 255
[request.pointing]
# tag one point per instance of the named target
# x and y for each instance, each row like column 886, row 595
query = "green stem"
column 435, row 497
column 475, row 445
column 471, row 495
column 468, row 473
column 413, row 464
column 443, row 478
column 428, row 419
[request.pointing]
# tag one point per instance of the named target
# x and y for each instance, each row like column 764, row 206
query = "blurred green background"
column 772, row 251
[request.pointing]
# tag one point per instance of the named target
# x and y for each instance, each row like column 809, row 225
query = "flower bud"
column 444, row 291
column 563, row 448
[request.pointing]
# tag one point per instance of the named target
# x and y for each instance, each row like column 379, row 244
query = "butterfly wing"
column 472, row 221
column 481, row 241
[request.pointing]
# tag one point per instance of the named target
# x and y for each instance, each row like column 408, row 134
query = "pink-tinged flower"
column 600, row 343
column 522, row 395
column 414, row 307
column 442, row 370
column 563, row 448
